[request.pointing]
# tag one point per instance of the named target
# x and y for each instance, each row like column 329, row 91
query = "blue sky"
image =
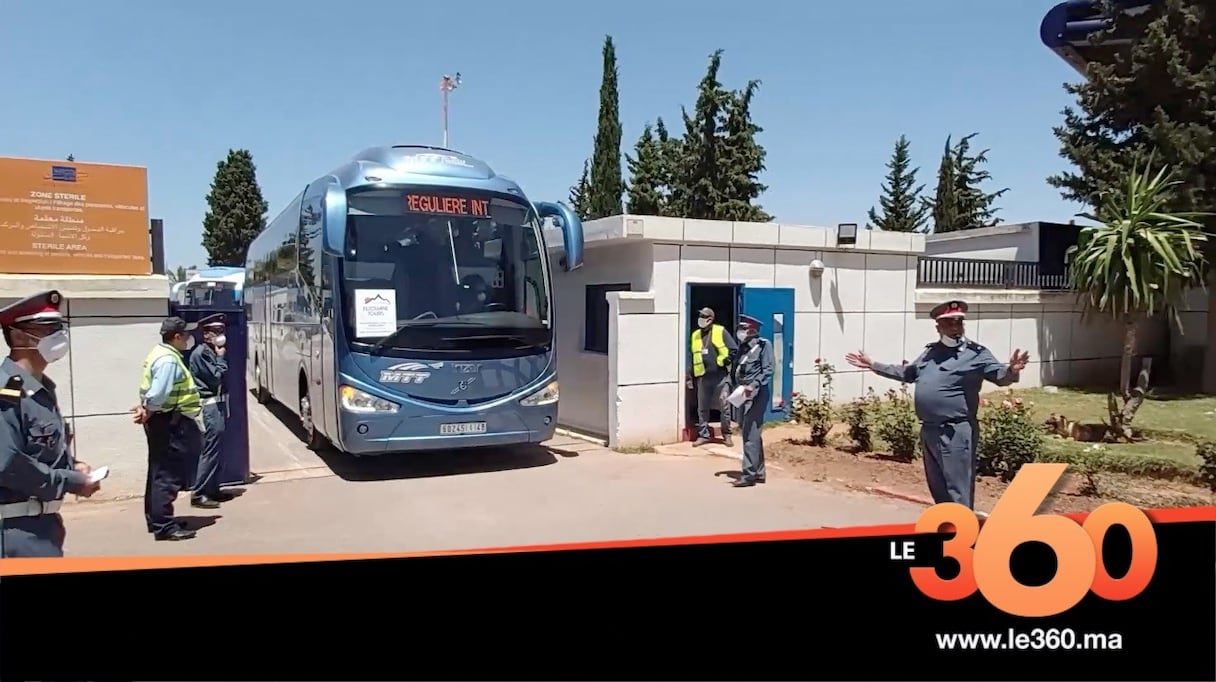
column 305, row 84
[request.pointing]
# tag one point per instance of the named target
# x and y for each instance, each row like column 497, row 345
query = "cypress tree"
column 607, row 185
column 644, row 192
column 697, row 189
column 903, row 209
column 742, row 160
column 579, row 194
column 669, row 163
column 236, row 211
column 944, row 204
column 976, row 208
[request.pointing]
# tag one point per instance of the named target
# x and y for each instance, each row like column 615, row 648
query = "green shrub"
column 1206, row 451
column 861, row 415
column 897, row 424
column 1107, row 460
column 817, row 413
column 1009, row 437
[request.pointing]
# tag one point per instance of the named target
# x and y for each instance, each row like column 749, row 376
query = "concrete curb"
column 581, row 436
column 679, row 450
column 915, row 499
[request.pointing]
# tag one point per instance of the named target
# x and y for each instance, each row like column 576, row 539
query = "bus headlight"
column 355, row 400
column 545, row 396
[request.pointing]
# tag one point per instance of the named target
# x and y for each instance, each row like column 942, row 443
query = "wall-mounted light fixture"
column 846, row 233
column 816, row 268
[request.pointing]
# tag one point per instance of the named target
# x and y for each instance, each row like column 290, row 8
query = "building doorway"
column 724, row 300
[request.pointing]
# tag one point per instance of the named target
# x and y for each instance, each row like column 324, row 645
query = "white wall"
column 866, row 299
column 114, row 323
column 584, row 374
column 1019, row 242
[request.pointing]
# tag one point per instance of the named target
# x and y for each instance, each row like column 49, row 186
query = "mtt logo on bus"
column 404, row 302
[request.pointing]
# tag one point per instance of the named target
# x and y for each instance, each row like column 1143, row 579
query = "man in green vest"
column 170, row 411
column 711, row 350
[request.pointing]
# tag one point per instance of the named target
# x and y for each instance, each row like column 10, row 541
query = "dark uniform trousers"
column 173, row 441
column 710, row 389
column 32, row 536
column 950, row 451
column 207, row 478
column 751, row 427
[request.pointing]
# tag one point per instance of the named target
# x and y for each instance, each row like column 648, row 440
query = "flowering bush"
column 1008, row 438
column 817, row 412
column 861, row 416
column 898, row 425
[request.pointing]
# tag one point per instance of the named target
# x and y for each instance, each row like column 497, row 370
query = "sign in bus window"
column 438, row 204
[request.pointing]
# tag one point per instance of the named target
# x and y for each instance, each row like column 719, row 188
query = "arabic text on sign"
column 428, row 203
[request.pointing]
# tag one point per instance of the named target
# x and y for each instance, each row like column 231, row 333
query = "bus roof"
column 421, row 165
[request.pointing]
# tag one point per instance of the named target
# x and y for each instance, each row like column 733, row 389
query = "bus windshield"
column 449, row 269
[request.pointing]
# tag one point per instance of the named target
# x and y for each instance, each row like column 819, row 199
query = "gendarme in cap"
column 955, row 309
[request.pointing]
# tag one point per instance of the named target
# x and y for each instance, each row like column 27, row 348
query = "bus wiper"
column 387, row 340
column 419, row 323
column 521, row 340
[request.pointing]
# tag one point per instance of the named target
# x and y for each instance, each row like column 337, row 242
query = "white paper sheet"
column 375, row 312
column 737, row 397
column 98, row 474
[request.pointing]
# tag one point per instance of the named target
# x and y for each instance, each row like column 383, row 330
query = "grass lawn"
column 1173, row 423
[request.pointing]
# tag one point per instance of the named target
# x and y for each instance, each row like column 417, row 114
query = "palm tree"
column 1139, row 261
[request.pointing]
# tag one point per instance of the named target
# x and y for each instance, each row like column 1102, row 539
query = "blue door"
column 775, row 310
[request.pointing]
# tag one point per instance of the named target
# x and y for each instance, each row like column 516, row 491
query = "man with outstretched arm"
column 948, row 377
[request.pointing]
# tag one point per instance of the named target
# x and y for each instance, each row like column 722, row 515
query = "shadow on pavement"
column 190, row 522
column 425, row 464
column 429, row 464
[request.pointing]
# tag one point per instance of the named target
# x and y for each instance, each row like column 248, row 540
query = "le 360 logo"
column 983, row 553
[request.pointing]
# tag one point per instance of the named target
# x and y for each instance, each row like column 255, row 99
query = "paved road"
column 568, row 491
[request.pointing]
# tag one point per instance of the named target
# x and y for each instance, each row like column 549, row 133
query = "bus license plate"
column 464, row 427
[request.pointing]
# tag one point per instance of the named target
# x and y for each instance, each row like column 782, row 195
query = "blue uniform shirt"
column 948, row 380
column 755, row 363
column 208, row 369
column 165, row 372
column 35, row 455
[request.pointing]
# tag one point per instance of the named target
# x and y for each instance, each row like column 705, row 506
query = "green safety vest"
column 716, row 333
column 183, row 397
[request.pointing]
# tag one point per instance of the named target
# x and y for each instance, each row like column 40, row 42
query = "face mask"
column 53, row 347
column 220, row 340
column 702, row 322
column 742, row 335
column 951, row 342
column 189, row 342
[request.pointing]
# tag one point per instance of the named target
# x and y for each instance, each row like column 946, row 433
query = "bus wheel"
column 312, row 439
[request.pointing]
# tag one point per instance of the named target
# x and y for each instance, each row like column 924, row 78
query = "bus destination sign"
column 447, row 205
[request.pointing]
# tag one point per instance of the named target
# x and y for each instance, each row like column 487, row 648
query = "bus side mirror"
column 572, row 231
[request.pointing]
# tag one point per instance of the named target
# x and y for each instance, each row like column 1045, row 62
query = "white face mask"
column 951, row 342
column 742, row 335
column 219, row 341
column 702, row 322
column 189, row 342
column 53, row 347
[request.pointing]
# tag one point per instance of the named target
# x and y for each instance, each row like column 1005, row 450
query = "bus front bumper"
column 378, row 434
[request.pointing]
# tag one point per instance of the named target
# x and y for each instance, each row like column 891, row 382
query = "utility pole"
column 448, row 84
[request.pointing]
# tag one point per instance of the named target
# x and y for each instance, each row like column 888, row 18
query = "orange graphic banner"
column 69, row 218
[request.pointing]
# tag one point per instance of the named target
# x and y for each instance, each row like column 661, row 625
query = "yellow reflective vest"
column 183, row 397
column 716, row 341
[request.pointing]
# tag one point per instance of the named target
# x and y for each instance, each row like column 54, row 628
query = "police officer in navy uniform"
column 209, row 368
column 754, row 372
column 948, row 377
column 37, row 468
